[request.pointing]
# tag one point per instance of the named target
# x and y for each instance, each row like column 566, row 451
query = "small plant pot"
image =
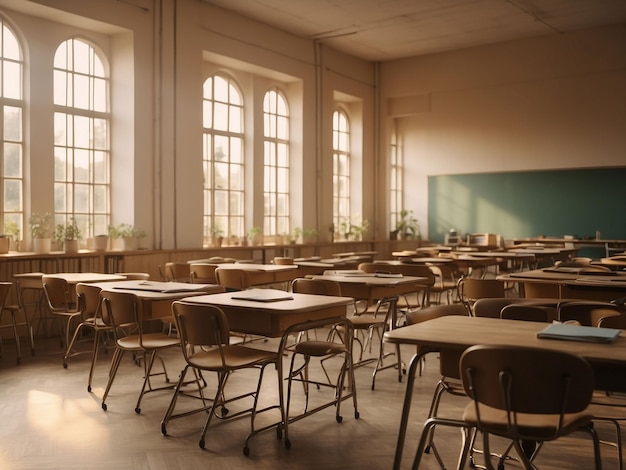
column 71, row 246
column 100, row 242
column 42, row 245
column 130, row 243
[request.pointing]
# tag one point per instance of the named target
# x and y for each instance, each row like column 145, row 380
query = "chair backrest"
column 88, row 299
column 57, row 292
column 492, row 307
column 232, row 279
column 315, row 286
column 526, row 380
column 542, row 290
column 471, row 289
column 203, row 273
column 528, row 312
column 178, row 272
column 613, row 321
column 587, row 313
column 5, row 290
column 200, row 326
column 283, row 260
column 448, row 359
column 121, row 309
column 436, row 311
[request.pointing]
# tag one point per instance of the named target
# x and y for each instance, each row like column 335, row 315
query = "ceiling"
column 380, row 30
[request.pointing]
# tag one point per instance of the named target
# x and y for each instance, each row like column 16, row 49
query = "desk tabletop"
column 259, row 267
column 459, row 332
column 294, row 302
column 370, row 280
column 158, row 290
column 75, row 278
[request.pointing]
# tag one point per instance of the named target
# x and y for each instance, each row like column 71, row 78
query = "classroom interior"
column 499, row 131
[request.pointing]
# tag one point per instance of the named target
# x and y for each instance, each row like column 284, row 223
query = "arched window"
column 341, row 170
column 223, row 158
column 11, row 130
column 81, row 138
column 276, row 164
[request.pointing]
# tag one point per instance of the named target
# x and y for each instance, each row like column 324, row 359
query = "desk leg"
column 406, row 407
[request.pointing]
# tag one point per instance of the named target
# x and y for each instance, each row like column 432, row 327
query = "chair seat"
column 530, row 426
column 236, row 356
column 319, row 348
column 366, row 320
column 150, row 341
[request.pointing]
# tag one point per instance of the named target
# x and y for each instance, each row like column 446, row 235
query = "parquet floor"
column 50, row 421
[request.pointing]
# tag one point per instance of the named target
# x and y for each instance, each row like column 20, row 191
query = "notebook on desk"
column 262, row 295
column 590, row 334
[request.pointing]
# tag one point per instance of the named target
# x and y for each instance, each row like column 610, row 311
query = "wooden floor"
column 50, row 421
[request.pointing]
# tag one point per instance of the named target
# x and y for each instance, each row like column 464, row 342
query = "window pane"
column 12, row 195
column 12, row 160
column 12, row 80
column 12, row 123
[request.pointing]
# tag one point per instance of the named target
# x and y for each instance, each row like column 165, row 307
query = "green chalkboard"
column 531, row 203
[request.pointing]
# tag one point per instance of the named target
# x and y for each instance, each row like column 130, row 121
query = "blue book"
column 589, row 334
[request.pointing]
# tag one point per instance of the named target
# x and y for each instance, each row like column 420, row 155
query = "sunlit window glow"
column 341, row 169
column 223, row 159
column 12, row 116
column 81, row 138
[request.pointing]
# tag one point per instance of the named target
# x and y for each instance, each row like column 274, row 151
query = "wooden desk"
column 75, row 278
column 273, row 318
column 573, row 285
column 156, row 296
column 260, row 274
column 373, row 288
column 459, row 333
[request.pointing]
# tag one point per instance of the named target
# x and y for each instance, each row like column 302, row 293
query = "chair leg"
column 222, row 378
column 115, row 364
column 70, row 344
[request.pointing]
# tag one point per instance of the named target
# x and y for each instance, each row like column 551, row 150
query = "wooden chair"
column 450, row 381
column 587, row 312
column 14, row 310
column 528, row 312
column 203, row 273
column 321, row 349
column 522, row 394
column 472, row 289
column 61, row 304
column 91, row 318
column 232, row 279
column 446, row 280
column 121, row 311
column 205, row 343
column 176, row 272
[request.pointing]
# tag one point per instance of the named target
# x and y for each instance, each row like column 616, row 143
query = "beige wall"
column 543, row 103
column 551, row 102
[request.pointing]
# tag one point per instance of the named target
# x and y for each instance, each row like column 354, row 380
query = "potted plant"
column 217, row 236
column 309, row 235
column 255, row 234
column 357, row 231
column 12, row 231
column 295, row 235
column 128, row 234
column 41, row 231
column 68, row 236
column 407, row 225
